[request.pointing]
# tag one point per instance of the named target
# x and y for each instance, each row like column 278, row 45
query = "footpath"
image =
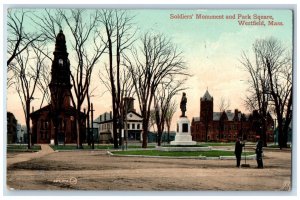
column 22, row 157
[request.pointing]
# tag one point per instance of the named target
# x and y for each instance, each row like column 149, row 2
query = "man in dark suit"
column 238, row 151
column 259, row 151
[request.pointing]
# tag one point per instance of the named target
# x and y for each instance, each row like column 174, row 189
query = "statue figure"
column 183, row 104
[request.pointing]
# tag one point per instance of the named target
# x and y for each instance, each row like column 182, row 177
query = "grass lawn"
column 202, row 145
column 22, row 148
column 212, row 153
column 97, row 146
column 219, row 144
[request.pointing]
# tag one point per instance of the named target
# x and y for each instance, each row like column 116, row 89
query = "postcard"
column 149, row 99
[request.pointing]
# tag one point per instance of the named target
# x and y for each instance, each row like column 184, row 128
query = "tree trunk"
column 55, row 135
column 145, row 133
column 264, row 131
column 79, row 142
column 168, row 134
column 55, row 130
column 159, row 134
column 280, row 133
column 115, row 133
column 88, row 123
column 28, row 123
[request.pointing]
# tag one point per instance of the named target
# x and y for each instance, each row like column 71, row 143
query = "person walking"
column 238, row 151
column 259, row 151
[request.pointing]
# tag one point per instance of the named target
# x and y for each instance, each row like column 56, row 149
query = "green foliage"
column 86, row 147
column 22, row 148
column 202, row 144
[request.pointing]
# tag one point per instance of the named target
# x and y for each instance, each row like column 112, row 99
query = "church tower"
column 60, row 85
column 206, row 107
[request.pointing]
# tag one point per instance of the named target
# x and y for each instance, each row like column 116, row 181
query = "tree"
column 169, row 116
column 155, row 60
column 223, row 106
column 26, row 72
column 270, row 86
column 88, row 48
column 19, row 38
column 279, row 66
column 162, row 103
column 120, row 32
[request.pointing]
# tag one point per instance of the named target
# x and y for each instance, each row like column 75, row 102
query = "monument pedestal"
column 183, row 135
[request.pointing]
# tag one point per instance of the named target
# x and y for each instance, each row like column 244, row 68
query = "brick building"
column 56, row 121
column 11, row 128
column 226, row 126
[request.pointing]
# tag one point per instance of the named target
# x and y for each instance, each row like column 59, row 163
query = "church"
column 56, row 122
column 226, row 126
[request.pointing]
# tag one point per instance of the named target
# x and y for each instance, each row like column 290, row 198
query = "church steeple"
column 60, row 44
column 60, row 84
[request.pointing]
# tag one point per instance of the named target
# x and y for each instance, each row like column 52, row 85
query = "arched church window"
column 61, row 62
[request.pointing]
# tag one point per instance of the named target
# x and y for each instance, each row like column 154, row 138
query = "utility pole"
column 92, row 116
column 126, row 126
column 84, row 110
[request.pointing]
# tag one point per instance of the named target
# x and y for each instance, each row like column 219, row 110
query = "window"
column 128, row 126
column 133, row 126
column 138, row 127
column 61, row 62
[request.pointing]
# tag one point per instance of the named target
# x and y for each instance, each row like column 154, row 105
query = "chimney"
column 129, row 104
column 236, row 111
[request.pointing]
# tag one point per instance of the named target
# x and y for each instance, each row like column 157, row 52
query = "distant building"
column 133, row 120
column 227, row 125
column 104, row 125
column 57, row 121
column 20, row 134
column 25, row 137
column 11, row 128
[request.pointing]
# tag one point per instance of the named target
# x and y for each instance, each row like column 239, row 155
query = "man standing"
column 259, row 151
column 238, row 151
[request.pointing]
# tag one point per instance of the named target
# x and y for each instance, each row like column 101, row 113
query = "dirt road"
column 95, row 170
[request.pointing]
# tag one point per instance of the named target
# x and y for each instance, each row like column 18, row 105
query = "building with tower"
column 55, row 123
column 226, row 126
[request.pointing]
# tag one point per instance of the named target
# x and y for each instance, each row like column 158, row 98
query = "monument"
column 183, row 134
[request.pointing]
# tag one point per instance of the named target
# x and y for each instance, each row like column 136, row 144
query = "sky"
column 211, row 48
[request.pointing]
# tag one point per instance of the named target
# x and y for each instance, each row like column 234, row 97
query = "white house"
column 21, row 133
column 104, row 123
